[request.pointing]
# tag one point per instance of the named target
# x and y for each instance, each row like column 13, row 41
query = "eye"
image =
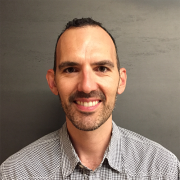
column 70, row 70
column 102, row 69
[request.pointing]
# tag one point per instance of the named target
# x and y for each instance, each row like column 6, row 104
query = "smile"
column 87, row 104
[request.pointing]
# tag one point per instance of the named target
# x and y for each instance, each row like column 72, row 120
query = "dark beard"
column 83, row 120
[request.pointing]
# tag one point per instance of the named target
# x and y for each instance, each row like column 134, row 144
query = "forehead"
column 88, row 41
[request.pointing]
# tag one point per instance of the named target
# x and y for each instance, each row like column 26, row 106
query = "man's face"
column 86, row 76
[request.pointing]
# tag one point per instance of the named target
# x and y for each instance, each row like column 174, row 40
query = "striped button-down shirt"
column 128, row 156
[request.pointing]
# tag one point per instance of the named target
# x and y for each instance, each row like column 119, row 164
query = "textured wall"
column 148, row 38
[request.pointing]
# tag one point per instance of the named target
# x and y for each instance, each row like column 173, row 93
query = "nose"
column 87, row 82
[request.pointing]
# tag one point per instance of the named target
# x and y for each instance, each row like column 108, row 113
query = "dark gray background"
column 148, row 39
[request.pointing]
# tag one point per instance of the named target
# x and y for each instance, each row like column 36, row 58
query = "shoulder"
column 39, row 158
column 144, row 156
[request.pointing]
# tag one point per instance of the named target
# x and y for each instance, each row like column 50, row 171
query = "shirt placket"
column 85, row 171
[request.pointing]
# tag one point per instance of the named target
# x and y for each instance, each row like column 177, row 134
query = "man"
column 87, row 78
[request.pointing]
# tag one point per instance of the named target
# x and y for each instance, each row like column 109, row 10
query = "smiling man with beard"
column 87, row 78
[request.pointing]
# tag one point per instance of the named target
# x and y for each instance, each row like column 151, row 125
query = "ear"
column 122, row 81
column 50, row 76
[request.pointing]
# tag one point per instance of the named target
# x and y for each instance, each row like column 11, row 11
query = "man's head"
column 83, row 22
column 87, row 78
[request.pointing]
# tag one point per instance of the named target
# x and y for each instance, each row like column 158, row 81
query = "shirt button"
column 81, row 166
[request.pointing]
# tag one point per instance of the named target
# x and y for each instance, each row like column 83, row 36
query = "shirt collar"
column 69, row 158
column 114, row 149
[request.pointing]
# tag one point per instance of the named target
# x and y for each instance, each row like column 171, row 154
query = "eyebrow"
column 103, row 63
column 67, row 63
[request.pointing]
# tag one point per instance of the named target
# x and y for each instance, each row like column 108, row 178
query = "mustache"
column 81, row 94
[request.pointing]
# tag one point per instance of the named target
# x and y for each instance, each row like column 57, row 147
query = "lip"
column 84, row 108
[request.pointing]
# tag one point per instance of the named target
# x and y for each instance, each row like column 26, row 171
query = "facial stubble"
column 88, row 121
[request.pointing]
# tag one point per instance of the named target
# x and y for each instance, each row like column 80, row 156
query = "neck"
column 90, row 145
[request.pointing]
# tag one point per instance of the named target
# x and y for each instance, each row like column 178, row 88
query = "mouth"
column 87, row 105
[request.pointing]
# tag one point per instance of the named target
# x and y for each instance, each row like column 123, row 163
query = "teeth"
column 90, row 103
column 87, row 104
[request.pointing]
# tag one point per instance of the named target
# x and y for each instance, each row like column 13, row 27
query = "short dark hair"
column 81, row 23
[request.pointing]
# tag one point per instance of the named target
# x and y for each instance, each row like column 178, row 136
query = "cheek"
column 65, row 87
column 109, row 88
